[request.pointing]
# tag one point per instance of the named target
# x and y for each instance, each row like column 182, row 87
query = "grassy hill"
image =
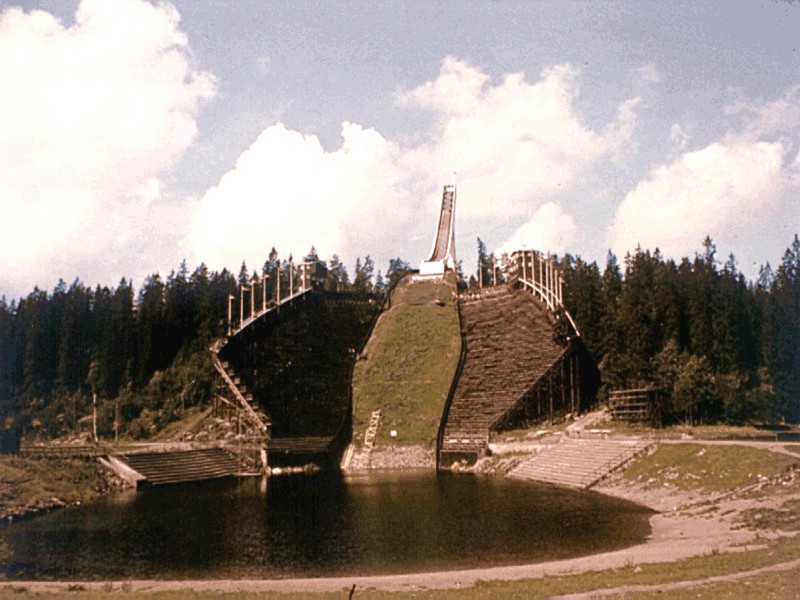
column 408, row 365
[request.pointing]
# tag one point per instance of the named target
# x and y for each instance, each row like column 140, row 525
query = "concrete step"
column 159, row 468
column 579, row 463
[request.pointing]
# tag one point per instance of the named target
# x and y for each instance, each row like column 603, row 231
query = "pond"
column 321, row 525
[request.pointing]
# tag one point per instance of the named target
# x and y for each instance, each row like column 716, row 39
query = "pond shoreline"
column 680, row 532
column 684, row 525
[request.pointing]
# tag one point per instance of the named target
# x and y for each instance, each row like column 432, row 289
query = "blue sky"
column 134, row 134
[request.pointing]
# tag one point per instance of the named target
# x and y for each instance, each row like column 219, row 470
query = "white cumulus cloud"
column 287, row 191
column 513, row 144
column 720, row 190
column 91, row 116
column 549, row 230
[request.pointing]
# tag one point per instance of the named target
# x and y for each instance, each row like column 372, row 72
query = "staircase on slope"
column 362, row 458
column 256, row 419
column 510, row 348
column 372, row 430
column 579, row 463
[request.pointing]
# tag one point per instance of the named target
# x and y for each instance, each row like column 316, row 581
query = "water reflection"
column 320, row 525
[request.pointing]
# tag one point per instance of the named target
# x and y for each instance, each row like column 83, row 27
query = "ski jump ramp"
column 443, row 253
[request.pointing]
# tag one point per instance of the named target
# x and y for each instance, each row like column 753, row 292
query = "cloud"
column 619, row 134
column 678, row 138
column 514, row 144
column 550, row 230
column 100, row 110
column 287, row 191
column 778, row 116
column 649, row 73
column 719, row 191
column 264, row 64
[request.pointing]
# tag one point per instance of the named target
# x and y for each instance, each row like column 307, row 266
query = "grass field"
column 700, row 468
column 408, row 365
column 30, row 485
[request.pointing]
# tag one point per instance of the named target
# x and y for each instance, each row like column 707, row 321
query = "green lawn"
column 408, row 365
column 701, row 468
column 32, row 484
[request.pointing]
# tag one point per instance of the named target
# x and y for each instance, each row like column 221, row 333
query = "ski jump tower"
column 443, row 253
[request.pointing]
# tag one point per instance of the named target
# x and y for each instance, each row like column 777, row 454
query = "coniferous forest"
column 724, row 349
column 143, row 354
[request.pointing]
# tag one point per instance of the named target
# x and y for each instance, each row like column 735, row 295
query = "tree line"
column 724, row 348
column 143, row 354
column 721, row 347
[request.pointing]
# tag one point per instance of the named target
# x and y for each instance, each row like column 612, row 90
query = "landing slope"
column 408, row 365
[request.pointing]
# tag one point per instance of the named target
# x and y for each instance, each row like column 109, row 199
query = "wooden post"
column 116, row 420
column 241, row 305
column 279, row 285
column 539, row 411
column 550, row 393
column 547, row 278
column 533, row 270
column 94, row 416
column 252, row 300
column 230, row 314
column 572, row 382
column 524, row 270
column 541, row 273
column 264, row 292
column 564, row 384
column 291, row 276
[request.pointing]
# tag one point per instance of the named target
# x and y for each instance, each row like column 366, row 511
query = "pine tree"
column 337, row 275
column 380, row 283
column 398, row 268
column 7, row 335
column 583, row 298
column 484, row 272
column 151, row 329
column 244, row 276
column 782, row 339
column 362, row 282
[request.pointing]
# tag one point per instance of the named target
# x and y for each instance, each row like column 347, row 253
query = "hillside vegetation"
column 408, row 365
